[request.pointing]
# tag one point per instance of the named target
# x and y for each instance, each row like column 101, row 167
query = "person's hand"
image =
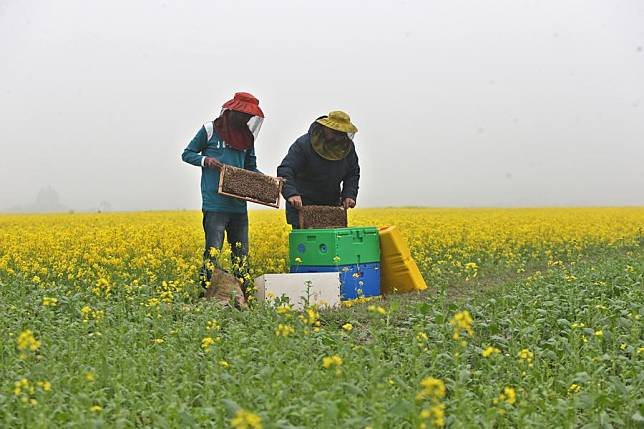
column 348, row 203
column 295, row 201
column 212, row 163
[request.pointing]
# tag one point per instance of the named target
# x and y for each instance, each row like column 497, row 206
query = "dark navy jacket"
column 315, row 179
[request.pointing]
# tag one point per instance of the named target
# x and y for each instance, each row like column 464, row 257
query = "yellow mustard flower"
column 284, row 330
column 246, row 420
column 525, row 355
column 434, row 414
column 431, row 388
column 489, row 351
column 508, row 395
column 49, row 302
column 206, row 342
column 27, row 342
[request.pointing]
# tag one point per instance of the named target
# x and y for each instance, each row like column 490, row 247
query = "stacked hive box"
column 352, row 252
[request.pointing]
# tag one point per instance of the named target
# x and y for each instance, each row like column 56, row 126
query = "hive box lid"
column 322, row 289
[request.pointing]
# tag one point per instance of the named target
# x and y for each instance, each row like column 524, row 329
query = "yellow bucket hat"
column 338, row 121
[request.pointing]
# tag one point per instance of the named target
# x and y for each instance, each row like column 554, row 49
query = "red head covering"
column 239, row 138
column 246, row 103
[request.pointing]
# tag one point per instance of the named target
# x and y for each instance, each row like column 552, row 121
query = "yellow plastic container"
column 392, row 243
column 398, row 271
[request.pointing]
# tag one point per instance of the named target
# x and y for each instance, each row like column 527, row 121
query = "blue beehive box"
column 355, row 280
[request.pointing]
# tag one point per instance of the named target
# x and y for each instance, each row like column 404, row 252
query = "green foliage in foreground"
column 569, row 339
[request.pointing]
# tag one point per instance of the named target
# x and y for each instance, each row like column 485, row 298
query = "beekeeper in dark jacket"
column 321, row 167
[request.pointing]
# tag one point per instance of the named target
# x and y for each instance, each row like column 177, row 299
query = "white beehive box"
column 320, row 288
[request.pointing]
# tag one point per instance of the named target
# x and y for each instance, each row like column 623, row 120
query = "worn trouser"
column 235, row 226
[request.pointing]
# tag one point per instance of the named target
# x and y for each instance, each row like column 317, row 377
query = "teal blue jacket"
column 207, row 143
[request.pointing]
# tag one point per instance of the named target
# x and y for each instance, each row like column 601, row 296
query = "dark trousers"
column 235, row 227
column 292, row 216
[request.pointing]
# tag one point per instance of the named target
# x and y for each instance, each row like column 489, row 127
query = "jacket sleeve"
column 250, row 162
column 351, row 179
column 192, row 153
column 293, row 162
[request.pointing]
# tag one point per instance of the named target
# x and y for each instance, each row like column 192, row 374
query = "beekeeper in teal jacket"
column 229, row 139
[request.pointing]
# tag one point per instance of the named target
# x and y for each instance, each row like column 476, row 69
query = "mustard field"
column 532, row 318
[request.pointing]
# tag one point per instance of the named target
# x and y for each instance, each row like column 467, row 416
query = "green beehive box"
column 337, row 246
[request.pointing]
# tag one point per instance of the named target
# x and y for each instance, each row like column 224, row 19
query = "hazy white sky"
column 458, row 103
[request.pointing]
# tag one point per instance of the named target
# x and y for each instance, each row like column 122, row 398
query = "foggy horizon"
column 458, row 104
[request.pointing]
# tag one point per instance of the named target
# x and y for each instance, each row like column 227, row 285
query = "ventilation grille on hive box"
column 250, row 186
column 320, row 217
